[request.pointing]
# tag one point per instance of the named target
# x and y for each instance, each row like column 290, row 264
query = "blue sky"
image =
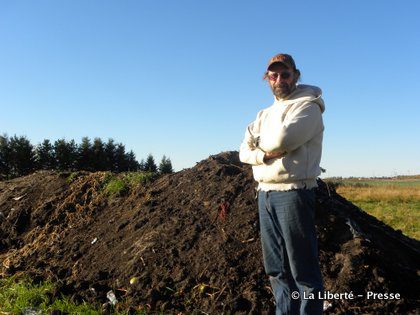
column 183, row 78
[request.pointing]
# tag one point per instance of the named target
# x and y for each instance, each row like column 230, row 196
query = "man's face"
column 282, row 79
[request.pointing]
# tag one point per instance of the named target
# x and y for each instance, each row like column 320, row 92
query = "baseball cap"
column 284, row 59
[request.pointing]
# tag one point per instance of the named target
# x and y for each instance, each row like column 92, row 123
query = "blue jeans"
column 290, row 250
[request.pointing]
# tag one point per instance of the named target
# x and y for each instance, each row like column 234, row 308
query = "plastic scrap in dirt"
column 356, row 230
column 111, row 297
column 134, row 280
column 94, row 240
column 223, row 210
column 10, row 213
column 327, row 305
column 18, row 198
column 31, row 311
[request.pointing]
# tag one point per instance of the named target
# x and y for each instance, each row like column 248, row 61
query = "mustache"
column 282, row 84
column 282, row 89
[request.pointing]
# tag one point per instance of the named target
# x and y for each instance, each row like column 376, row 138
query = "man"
column 283, row 145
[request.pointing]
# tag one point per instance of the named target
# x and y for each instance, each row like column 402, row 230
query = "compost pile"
column 189, row 242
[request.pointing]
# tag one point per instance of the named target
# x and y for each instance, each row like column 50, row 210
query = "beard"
column 283, row 90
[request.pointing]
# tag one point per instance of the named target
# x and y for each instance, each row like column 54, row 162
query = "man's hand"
column 272, row 155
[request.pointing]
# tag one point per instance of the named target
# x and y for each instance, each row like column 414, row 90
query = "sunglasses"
column 275, row 75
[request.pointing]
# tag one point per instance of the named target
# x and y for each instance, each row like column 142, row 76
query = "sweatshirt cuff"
column 260, row 157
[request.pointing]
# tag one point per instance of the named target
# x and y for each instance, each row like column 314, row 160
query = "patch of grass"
column 397, row 205
column 139, row 178
column 116, row 187
column 71, row 177
column 120, row 184
column 18, row 295
column 403, row 216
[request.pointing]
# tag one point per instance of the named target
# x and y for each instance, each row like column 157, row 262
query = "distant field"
column 395, row 201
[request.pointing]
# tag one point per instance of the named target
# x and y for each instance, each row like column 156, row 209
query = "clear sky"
column 184, row 78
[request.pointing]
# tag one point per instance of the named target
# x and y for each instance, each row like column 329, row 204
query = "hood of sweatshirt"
column 304, row 93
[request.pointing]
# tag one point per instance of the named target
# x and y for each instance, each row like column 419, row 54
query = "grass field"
column 395, row 201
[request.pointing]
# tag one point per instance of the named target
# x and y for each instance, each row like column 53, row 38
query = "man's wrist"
column 272, row 155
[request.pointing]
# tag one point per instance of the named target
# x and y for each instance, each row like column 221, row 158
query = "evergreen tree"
column 4, row 155
column 121, row 158
column 85, row 155
column 18, row 156
column 110, row 158
column 150, row 165
column 165, row 166
column 22, row 156
column 98, row 152
column 142, row 165
column 44, row 154
column 132, row 163
column 65, row 154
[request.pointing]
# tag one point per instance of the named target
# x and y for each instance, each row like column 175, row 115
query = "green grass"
column 395, row 202
column 20, row 294
column 116, row 187
column 139, row 177
column 71, row 178
column 120, row 184
column 404, row 216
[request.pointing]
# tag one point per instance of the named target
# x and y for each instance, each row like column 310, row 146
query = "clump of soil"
column 189, row 242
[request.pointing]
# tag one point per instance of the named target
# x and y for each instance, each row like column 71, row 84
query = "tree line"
column 19, row 157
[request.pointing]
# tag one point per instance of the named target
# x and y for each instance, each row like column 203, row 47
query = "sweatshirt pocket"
column 294, row 164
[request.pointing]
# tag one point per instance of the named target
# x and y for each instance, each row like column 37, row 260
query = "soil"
column 189, row 242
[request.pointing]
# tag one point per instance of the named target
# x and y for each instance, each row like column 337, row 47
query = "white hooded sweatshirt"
column 294, row 127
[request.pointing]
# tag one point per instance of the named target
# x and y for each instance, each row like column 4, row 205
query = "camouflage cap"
column 284, row 59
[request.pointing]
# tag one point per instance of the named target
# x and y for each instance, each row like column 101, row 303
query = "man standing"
column 283, row 145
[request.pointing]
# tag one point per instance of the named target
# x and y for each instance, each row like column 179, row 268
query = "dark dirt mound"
column 189, row 242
